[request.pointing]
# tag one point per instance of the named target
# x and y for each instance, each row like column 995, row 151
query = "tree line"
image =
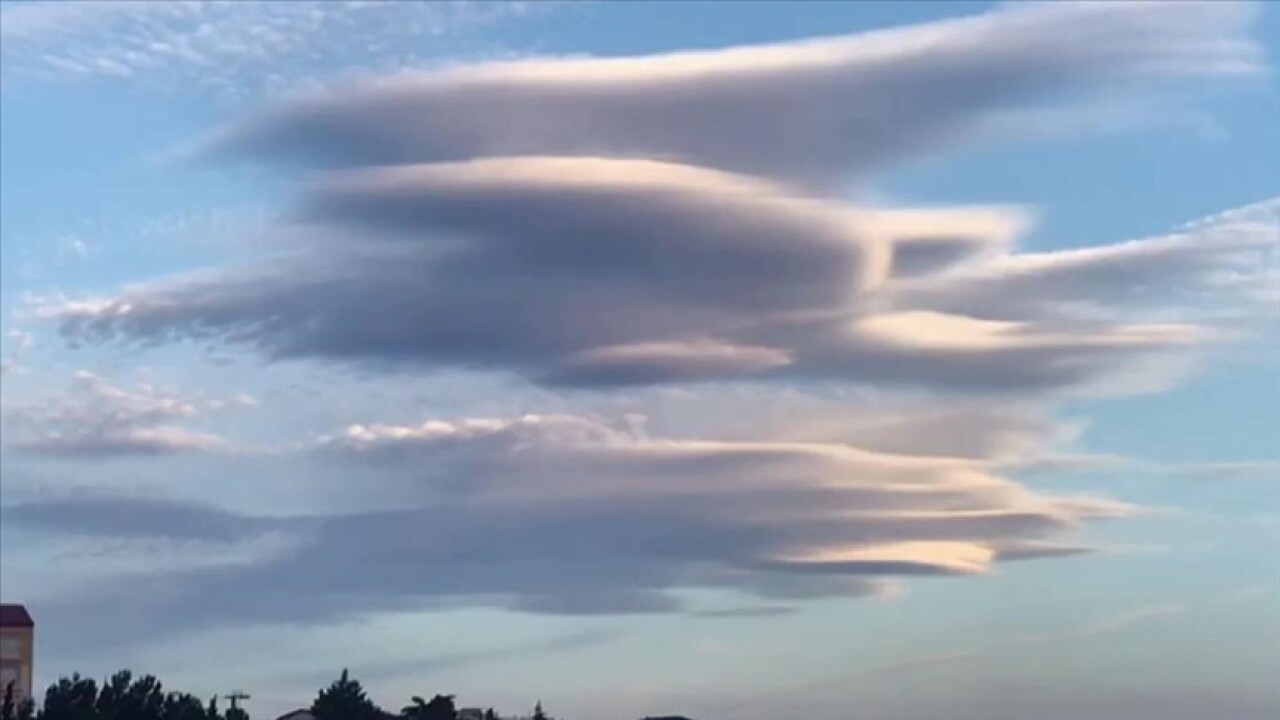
column 126, row 697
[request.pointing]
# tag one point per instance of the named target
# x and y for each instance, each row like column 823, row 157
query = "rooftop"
column 15, row 616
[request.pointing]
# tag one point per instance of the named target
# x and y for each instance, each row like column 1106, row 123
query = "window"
column 9, row 647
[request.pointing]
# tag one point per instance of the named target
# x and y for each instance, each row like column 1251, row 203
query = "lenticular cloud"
column 669, row 219
column 677, row 219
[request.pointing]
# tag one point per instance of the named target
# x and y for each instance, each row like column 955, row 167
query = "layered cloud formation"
column 597, row 272
column 572, row 514
column 648, row 266
column 663, row 221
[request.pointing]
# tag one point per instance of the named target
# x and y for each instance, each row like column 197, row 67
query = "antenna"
column 235, row 696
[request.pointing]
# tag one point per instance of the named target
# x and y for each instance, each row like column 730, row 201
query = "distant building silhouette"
column 17, row 649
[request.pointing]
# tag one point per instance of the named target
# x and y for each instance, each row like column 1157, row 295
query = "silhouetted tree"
column 345, row 699
column 73, row 698
column 537, row 712
column 8, row 710
column 441, row 707
column 121, row 697
column 124, row 698
column 181, row 706
column 489, row 715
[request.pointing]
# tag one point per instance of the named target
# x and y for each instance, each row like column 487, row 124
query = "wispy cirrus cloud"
column 234, row 49
column 97, row 419
column 1084, row 463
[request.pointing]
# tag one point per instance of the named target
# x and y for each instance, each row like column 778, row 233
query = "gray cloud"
column 105, row 517
column 757, row 611
column 598, row 272
column 566, row 515
column 817, row 110
column 602, row 272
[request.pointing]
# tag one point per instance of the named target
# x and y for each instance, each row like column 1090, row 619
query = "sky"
column 877, row 360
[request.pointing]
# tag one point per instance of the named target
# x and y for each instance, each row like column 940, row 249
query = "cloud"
column 1037, row 550
column 814, row 111
column 97, row 419
column 24, row 340
column 572, row 515
column 1227, row 471
column 1230, row 261
column 1131, row 618
column 576, row 241
column 733, row 613
column 605, row 272
column 130, row 519
column 234, row 50
column 1238, row 470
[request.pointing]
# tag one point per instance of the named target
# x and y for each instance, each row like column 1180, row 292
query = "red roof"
column 15, row 616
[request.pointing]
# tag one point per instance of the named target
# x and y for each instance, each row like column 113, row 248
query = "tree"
column 441, row 707
column 124, row 698
column 71, row 698
column 345, row 699
column 8, row 710
column 121, row 697
column 181, row 706
column 537, row 712
column 489, row 715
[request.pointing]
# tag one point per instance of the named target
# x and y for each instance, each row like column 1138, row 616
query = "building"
column 17, row 649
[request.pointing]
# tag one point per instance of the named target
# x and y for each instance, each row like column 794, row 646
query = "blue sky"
column 888, row 360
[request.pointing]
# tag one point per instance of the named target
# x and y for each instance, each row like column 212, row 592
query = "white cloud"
column 234, row 49
column 1230, row 261
column 98, row 419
